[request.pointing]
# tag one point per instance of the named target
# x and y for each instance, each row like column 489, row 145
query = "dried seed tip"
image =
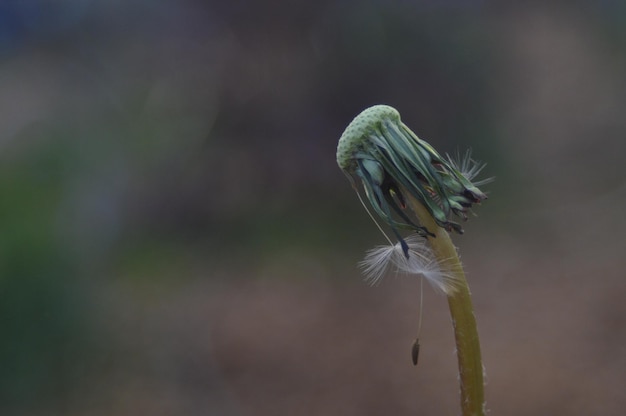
column 353, row 138
column 415, row 351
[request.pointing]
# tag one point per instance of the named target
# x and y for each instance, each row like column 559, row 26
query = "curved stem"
column 462, row 314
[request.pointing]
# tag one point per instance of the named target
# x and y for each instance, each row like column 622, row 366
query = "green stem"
column 462, row 314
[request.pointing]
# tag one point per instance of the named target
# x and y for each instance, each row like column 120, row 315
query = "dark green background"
column 176, row 238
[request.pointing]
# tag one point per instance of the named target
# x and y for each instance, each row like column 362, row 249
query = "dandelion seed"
column 415, row 351
column 419, row 261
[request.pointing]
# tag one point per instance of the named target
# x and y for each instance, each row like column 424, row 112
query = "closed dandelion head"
column 418, row 260
column 391, row 162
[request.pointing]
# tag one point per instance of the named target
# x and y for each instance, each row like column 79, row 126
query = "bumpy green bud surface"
column 354, row 138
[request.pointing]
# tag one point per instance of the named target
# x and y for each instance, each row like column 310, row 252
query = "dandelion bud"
column 391, row 163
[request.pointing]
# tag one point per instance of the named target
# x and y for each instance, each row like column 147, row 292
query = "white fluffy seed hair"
column 469, row 167
column 421, row 261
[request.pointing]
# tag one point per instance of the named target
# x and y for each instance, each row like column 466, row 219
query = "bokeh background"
column 176, row 238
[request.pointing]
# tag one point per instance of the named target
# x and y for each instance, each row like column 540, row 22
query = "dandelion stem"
column 462, row 314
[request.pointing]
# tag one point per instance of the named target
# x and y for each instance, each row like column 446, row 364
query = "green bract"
column 390, row 160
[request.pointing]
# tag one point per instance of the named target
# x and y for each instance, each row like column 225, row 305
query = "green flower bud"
column 390, row 161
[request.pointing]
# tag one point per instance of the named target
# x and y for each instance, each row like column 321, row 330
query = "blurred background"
column 176, row 238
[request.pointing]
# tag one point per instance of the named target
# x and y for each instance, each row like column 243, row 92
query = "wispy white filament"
column 421, row 261
column 469, row 167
